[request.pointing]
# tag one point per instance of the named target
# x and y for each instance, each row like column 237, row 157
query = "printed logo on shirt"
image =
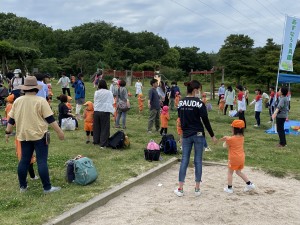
column 191, row 103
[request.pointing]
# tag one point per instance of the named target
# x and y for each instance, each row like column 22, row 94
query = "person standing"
column 221, row 91
column 121, row 96
column 229, row 98
column 258, row 106
column 241, row 100
column 167, row 96
column 173, row 91
column 79, row 87
column 103, row 107
column 281, row 111
column 154, row 106
column 16, row 82
column 271, row 102
column 138, row 88
column 64, row 81
column 31, row 129
column 40, row 80
column 193, row 114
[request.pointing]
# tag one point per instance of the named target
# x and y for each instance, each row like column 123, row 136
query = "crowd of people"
column 162, row 99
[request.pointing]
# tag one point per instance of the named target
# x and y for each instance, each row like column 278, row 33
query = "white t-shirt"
column 138, row 88
column 64, row 82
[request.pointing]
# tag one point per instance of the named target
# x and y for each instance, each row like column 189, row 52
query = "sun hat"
column 238, row 124
column 17, row 71
column 30, row 83
column 114, row 79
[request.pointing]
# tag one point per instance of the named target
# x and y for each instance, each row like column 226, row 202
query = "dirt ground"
column 274, row 201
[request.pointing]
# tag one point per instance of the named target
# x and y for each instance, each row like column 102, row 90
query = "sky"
column 186, row 23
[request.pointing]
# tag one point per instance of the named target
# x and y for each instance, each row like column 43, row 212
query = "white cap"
column 114, row 79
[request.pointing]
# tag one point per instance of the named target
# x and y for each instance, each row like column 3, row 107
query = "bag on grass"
column 152, row 152
column 68, row 124
column 85, row 171
column 117, row 140
column 168, row 144
column 233, row 113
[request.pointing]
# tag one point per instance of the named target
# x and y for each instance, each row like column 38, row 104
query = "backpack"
column 85, row 171
column 117, row 140
column 152, row 152
column 168, row 144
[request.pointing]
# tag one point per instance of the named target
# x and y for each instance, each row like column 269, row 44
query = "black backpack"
column 116, row 141
column 168, row 144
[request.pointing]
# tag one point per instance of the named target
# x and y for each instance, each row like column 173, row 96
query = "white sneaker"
column 228, row 190
column 34, row 178
column 52, row 189
column 23, row 190
column 249, row 187
column 197, row 192
column 208, row 149
column 179, row 193
column 256, row 125
column 270, row 122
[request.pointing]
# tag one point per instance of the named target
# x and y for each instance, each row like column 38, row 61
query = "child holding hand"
column 164, row 120
column 141, row 102
column 236, row 155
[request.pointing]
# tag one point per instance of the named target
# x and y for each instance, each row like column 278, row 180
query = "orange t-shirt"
column 178, row 126
column 141, row 103
column 236, row 154
column 177, row 98
column 164, row 119
column 221, row 104
column 88, row 116
column 7, row 110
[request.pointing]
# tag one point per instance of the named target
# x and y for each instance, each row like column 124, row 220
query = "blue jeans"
column 123, row 114
column 187, row 144
column 41, row 151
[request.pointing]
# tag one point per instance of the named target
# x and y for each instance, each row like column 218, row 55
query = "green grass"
column 116, row 166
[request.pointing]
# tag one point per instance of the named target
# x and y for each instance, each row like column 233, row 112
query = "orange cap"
column 238, row 124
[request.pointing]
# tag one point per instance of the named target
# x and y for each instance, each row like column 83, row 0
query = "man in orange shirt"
column 236, row 155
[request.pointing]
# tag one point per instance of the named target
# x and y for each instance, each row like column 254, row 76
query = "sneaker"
column 102, row 147
column 22, row 190
column 87, row 142
column 249, row 187
column 178, row 192
column 256, row 125
column 270, row 121
column 207, row 149
column 228, row 190
column 52, row 189
column 197, row 192
column 34, row 178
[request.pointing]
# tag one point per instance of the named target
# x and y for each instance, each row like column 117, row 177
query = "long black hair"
column 102, row 84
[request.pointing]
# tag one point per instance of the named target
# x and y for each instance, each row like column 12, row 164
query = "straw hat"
column 30, row 83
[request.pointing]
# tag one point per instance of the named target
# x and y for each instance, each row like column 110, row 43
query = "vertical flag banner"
column 292, row 28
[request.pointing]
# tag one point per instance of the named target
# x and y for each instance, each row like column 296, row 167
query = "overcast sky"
column 185, row 23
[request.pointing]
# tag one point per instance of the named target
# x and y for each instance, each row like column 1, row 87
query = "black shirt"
column 191, row 111
column 154, row 99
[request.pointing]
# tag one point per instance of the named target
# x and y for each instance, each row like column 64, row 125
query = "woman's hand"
column 214, row 139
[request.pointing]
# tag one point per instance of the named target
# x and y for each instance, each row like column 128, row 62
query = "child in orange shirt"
column 236, row 155
column 179, row 131
column 88, row 116
column 9, row 102
column 164, row 120
column 177, row 98
column 68, row 104
column 141, row 102
column 221, row 104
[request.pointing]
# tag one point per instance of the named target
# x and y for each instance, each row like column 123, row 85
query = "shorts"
column 235, row 167
column 80, row 101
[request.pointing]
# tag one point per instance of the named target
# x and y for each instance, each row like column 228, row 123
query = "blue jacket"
column 79, row 89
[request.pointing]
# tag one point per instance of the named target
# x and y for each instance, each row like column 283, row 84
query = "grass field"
column 116, row 166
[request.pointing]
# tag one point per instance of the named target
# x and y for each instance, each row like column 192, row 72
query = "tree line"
column 28, row 44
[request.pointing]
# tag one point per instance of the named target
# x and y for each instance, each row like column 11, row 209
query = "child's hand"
column 224, row 138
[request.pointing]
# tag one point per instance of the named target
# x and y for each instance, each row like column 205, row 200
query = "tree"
column 236, row 55
column 171, row 58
